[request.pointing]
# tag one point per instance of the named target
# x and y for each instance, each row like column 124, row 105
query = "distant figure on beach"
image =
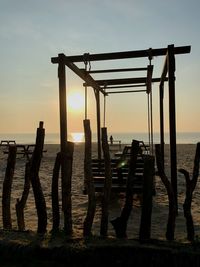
column 111, row 140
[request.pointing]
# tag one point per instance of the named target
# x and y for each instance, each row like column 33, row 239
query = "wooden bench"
column 120, row 169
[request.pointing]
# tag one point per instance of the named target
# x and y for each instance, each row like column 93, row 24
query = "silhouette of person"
column 111, row 140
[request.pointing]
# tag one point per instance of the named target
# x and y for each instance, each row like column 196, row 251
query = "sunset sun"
column 75, row 101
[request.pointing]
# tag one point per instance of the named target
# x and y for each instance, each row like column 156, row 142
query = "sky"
column 33, row 31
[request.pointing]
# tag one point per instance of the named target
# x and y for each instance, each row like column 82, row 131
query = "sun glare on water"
column 77, row 137
column 75, row 101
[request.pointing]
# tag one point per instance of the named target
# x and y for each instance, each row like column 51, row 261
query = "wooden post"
column 66, row 149
column 66, row 172
column 145, row 224
column 54, row 194
column 35, row 181
column 62, row 101
column 162, row 123
column 20, row 204
column 107, row 183
column 172, row 119
column 120, row 223
column 87, row 226
column 97, row 96
column 7, row 185
column 190, row 186
column 170, row 193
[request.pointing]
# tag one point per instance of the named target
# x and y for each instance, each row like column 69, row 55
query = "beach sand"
column 185, row 158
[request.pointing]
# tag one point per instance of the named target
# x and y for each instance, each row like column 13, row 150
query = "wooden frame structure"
column 107, row 85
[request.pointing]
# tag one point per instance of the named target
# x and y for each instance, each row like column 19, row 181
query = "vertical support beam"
column 62, row 101
column 172, row 119
column 97, row 96
column 162, row 142
column 67, row 149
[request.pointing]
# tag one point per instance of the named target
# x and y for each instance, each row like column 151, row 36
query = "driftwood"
column 172, row 204
column 87, row 226
column 145, row 224
column 120, row 223
column 54, row 194
column 66, row 179
column 107, row 184
column 7, row 184
column 20, row 205
column 35, row 181
column 190, row 186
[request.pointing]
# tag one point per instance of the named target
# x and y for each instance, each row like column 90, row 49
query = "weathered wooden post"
column 67, row 148
column 172, row 119
column 66, row 172
column 190, row 186
column 97, row 97
column 170, row 192
column 107, row 183
column 7, row 185
column 35, row 181
column 20, row 204
column 145, row 224
column 54, row 194
column 87, row 226
column 120, row 223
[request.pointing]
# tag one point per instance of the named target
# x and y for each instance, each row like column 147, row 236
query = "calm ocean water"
column 125, row 138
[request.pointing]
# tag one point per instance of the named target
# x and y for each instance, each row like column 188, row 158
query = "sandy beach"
column 185, row 157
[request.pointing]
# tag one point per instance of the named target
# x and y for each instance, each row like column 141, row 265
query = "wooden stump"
column 190, row 186
column 145, row 224
column 35, row 181
column 120, row 223
column 87, row 225
column 54, row 194
column 7, row 185
column 107, row 184
column 170, row 193
column 66, row 177
column 20, row 205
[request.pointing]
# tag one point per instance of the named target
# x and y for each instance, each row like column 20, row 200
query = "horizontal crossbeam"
column 117, row 70
column 127, row 91
column 125, row 86
column 123, row 81
column 125, row 54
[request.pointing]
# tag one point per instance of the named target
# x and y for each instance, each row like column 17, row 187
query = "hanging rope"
column 104, row 108
column 148, row 121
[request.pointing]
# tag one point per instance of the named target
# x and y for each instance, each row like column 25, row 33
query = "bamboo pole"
column 107, row 184
column 170, row 193
column 145, row 224
column 87, row 226
column 7, row 185
column 35, row 180
column 120, row 223
column 54, row 194
column 190, row 186
column 21, row 203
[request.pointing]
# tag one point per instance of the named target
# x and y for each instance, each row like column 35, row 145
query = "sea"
column 123, row 138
